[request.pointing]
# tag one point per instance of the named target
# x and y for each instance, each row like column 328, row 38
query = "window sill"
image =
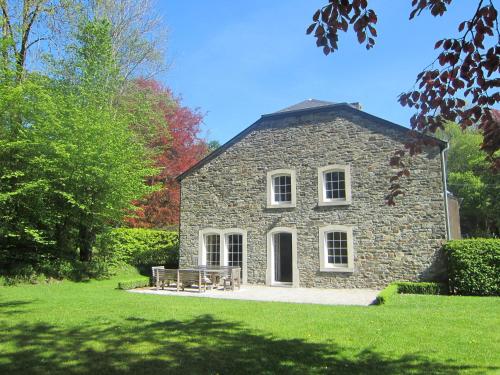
column 283, row 205
column 338, row 269
column 334, row 203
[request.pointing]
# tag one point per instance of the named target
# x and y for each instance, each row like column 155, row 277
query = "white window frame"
column 322, row 200
column 323, row 250
column 271, row 203
column 202, row 252
column 243, row 233
column 270, row 277
column 224, row 258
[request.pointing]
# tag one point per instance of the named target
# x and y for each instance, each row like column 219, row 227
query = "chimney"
column 356, row 105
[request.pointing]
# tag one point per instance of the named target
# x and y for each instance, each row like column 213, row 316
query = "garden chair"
column 231, row 278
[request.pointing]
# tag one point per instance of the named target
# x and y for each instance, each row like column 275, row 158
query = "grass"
column 93, row 328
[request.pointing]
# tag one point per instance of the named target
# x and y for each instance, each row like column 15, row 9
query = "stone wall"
column 390, row 243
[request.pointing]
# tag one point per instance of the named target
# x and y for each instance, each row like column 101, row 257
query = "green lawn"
column 80, row 328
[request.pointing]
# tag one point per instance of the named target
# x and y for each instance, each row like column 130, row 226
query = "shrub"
column 386, row 294
column 407, row 287
column 139, row 247
column 132, row 284
column 474, row 266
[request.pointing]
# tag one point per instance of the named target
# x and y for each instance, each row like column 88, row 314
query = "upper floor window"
column 336, row 248
column 281, row 188
column 334, row 185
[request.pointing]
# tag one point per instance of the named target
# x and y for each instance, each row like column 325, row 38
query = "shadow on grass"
column 13, row 307
column 202, row 345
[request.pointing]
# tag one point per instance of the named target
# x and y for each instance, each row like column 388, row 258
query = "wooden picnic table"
column 202, row 276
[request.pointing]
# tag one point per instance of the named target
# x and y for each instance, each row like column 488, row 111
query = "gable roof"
column 306, row 106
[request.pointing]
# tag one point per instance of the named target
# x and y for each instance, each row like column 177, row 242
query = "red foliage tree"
column 178, row 146
column 466, row 69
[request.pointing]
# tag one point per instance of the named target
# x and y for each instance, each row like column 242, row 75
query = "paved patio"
column 362, row 297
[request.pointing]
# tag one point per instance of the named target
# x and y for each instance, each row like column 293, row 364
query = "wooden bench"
column 186, row 278
column 164, row 276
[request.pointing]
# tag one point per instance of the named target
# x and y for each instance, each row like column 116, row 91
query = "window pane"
column 334, row 185
column 282, row 186
column 336, row 246
column 235, row 250
column 212, row 244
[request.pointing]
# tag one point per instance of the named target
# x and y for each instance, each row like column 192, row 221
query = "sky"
column 236, row 60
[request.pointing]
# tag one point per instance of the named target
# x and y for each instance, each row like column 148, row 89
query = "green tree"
column 471, row 180
column 70, row 164
column 213, row 145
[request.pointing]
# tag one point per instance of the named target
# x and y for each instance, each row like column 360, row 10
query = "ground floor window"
column 336, row 248
column 235, row 250
column 223, row 247
column 212, row 245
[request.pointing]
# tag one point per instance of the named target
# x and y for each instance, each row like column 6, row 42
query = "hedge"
column 140, row 247
column 407, row 287
column 474, row 266
column 132, row 284
column 386, row 294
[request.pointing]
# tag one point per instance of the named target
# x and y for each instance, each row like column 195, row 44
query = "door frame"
column 270, row 277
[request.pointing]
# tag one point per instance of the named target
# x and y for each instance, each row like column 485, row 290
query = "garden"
column 91, row 326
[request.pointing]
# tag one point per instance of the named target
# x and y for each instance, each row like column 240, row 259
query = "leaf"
column 320, row 31
column 361, row 37
column 316, row 15
column 310, row 29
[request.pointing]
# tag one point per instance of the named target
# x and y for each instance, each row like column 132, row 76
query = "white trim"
column 270, row 257
column 270, row 193
column 223, row 233
column 322, row 200
column 445, row 190
column 324, row 266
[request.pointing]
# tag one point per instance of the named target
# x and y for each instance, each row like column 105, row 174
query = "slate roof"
column 306, row 106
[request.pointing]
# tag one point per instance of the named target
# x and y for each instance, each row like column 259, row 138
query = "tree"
column 19, row 21
column 213, row 145
column 466, row 69
column 175, row 139
column 137, row 33
column 70, row 164
column 470, row 180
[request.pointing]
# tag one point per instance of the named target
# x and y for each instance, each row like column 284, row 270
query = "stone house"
column 297, row 199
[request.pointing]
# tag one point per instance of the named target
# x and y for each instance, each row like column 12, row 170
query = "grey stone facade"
column 389, row 243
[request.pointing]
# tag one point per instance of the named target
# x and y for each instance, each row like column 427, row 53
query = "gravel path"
column 362, row 297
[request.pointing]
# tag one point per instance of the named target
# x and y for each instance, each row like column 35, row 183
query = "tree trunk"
column 86, row 240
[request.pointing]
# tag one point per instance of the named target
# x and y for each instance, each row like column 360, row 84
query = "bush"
column 474, row 266
column 407, row 287
column 421, row 288
column 47, row 270
column 132, row 284
column 139, row 247
column 386, row 294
